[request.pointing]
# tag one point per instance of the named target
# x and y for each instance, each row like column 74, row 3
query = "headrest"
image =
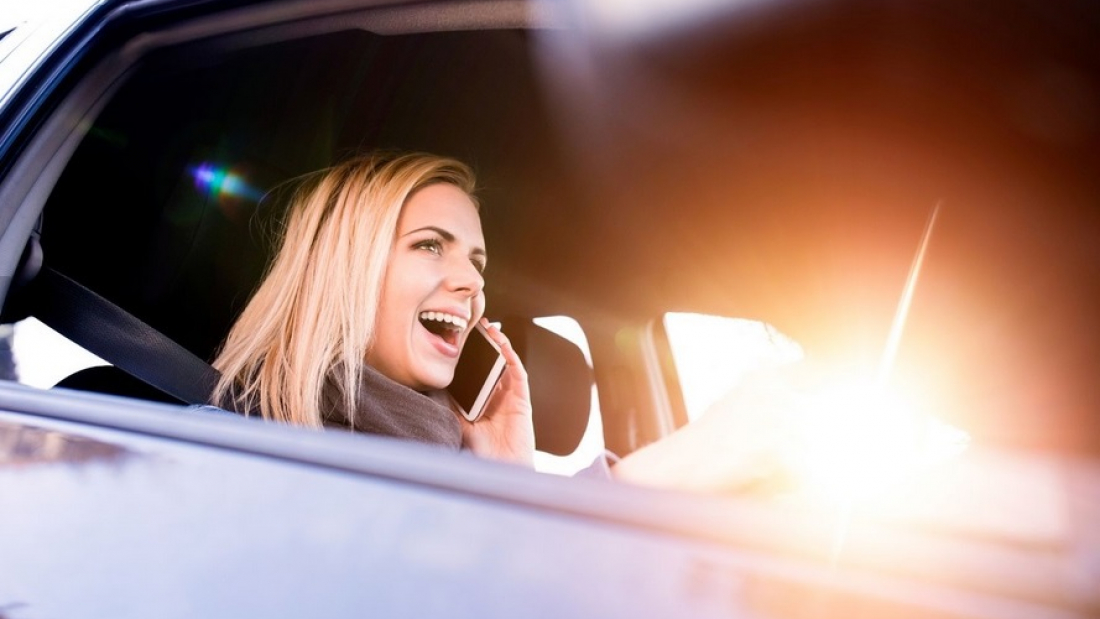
column 561, row 385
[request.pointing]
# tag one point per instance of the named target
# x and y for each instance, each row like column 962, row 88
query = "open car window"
column 41, row 357
column 713, row 354
column 162, row 175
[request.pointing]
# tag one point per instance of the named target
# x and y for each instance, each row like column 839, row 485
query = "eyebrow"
column 447, row 236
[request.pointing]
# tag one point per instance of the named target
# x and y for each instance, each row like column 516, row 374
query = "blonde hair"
column 312, row 319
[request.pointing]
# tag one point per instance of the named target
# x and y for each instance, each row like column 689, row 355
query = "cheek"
column 395, row 312
column 387, row 321
column 401, row 289
column 478, row 306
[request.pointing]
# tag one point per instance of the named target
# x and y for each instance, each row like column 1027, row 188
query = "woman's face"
column 433, row 293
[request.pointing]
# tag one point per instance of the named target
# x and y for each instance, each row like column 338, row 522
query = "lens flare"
column 220, row 182
column 867, row 441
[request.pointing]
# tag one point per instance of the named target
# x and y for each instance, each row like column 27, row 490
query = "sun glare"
column 862, row 443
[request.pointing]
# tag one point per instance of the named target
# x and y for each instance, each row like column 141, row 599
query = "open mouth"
column 445, row 326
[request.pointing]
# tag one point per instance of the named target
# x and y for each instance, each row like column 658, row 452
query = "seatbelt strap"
column 120, row 338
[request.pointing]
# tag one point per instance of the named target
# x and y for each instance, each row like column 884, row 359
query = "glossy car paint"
column 115, row 507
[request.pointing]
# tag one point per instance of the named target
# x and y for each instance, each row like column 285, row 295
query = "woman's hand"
column 504, row 431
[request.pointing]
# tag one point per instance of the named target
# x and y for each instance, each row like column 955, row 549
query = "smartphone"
column 479, row 369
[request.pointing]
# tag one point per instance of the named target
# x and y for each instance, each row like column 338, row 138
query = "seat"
column 109, row 379
column 561, row 384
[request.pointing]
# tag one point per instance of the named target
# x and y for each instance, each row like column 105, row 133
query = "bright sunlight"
column 859, row 443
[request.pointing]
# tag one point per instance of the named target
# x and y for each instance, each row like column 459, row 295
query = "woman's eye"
column 431, row 245
column 479, row 265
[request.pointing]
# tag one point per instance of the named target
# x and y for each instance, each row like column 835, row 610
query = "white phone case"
column 491, row 378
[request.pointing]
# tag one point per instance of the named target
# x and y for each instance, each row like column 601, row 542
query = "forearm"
column 694, row 460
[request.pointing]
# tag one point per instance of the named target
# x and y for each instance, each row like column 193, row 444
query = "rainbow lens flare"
column 221, row 182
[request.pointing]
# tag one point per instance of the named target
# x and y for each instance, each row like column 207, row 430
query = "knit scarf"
column 391, row 409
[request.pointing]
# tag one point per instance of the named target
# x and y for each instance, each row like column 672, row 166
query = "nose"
column 464, row 277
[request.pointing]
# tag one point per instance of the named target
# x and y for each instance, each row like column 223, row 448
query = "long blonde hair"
column 312, row 319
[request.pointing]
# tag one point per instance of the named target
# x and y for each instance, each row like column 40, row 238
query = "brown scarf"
column 392, row 409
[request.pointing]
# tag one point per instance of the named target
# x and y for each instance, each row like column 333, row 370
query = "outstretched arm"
column 746, row 441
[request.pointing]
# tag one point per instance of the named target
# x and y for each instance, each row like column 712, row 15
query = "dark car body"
column 613, row 155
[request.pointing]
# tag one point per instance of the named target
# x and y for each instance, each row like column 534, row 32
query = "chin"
column 437, row 380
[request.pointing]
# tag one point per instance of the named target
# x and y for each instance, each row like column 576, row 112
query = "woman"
column 358, row 324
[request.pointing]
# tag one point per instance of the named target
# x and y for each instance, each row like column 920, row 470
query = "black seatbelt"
column 120, row 338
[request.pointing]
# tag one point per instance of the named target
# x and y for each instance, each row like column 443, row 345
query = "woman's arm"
column 747, row 439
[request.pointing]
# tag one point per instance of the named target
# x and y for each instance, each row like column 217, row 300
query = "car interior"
column 754, row 166
column 159, row 225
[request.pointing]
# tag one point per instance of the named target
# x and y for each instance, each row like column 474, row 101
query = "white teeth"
column 459, row 323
